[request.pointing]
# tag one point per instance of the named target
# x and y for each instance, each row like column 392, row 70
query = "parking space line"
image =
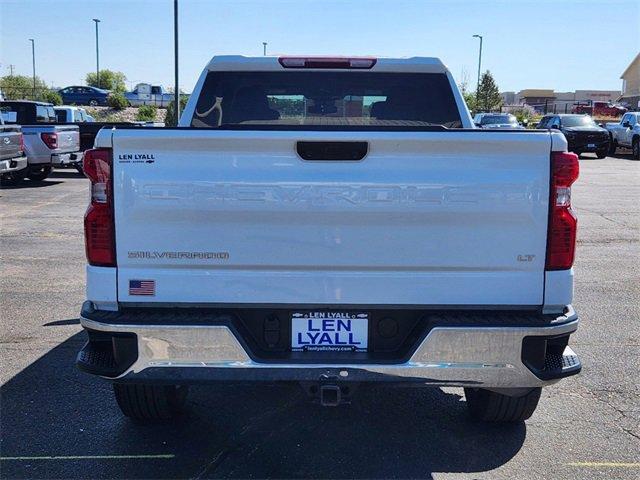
column 605, row 464
column 92, row 457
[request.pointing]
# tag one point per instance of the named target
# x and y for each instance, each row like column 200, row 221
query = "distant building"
column 545, row 100
column 508, row 98
column 540, row 99
column 631, row 84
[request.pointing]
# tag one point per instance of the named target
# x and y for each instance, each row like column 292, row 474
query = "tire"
column 150, row 403
column 490, row 406
column 79, row 169
column 602, row 153
column 635, row 148
column 613, row 145
column 12, row 178
column 37, row 174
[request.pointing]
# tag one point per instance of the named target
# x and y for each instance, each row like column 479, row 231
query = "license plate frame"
column 329, row 331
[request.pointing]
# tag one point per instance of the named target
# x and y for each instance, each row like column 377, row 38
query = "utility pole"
column 479, row 66
column 176, row 92
column 97, row 55
column 264, row 49
column 33, row 60
column 11, row 70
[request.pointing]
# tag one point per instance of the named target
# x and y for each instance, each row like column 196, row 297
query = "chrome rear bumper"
column 490, row 357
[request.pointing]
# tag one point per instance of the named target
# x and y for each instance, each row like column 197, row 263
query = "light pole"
column 479, row 65
column 97, row 55
column 33, row 60
column 176, row 89
column 264, row 49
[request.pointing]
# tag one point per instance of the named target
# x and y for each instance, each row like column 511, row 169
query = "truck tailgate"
column 237, row 217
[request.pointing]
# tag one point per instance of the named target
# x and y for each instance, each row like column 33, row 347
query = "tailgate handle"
column 334, row 151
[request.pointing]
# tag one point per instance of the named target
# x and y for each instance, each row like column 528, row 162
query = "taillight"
column 21, row 142
column 50, row 140
column 327, row 62
column 99, row 231
column 561, row 233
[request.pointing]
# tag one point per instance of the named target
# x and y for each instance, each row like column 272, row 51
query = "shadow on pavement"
column 70, row 173
column 624, row 156
column 240, row 431
column 30, row 184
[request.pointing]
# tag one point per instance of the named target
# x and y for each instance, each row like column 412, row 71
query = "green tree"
column 109, row 80
column 171, row 120
column 16, row 87
column 488, row 96
column 117, row 101
column 146, row 113
column 50, row 96
column 468, row 96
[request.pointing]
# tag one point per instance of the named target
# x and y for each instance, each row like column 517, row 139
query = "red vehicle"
column 604, row 109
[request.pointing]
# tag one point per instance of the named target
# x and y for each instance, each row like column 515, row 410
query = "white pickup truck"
column 329, row 221
column 625, row 133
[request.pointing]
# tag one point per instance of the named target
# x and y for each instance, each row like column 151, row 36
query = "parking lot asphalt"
column 57, row 422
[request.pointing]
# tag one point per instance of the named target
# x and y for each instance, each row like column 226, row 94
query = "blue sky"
column 559, row 44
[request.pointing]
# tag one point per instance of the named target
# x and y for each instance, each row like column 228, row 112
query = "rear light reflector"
column 99, row 230
column 50, row 140
column 561, row 233
column 327, row 62
column 21, row 142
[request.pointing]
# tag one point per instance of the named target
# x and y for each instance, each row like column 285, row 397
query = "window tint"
column 498, row 119
column 155, row 90
column 78, row 116
column 61, row 116
column 578, row 121
column 326, row 101
column 45, row 114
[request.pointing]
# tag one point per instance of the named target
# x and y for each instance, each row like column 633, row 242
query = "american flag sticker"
column 142, row 287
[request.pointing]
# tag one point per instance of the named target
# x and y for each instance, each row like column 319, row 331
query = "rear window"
column 61, row 116
column 326, row 100
column 498, row 120
column 45, row 114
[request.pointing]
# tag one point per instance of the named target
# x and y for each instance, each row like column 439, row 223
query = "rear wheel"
column 39, row 173
column 151, row 403
column 602, row 152
column 12, row 178
column 613, row 145
column 635, row 148
column 93, row 102
column 490, row 406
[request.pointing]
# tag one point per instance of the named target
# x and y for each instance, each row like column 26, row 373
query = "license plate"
column 591, row 145
column 329, row 331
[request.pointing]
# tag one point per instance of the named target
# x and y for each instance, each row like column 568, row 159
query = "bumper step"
column 106, row 354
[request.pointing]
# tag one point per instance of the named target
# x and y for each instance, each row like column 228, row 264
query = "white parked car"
column 329, row 221
column 626, row 133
